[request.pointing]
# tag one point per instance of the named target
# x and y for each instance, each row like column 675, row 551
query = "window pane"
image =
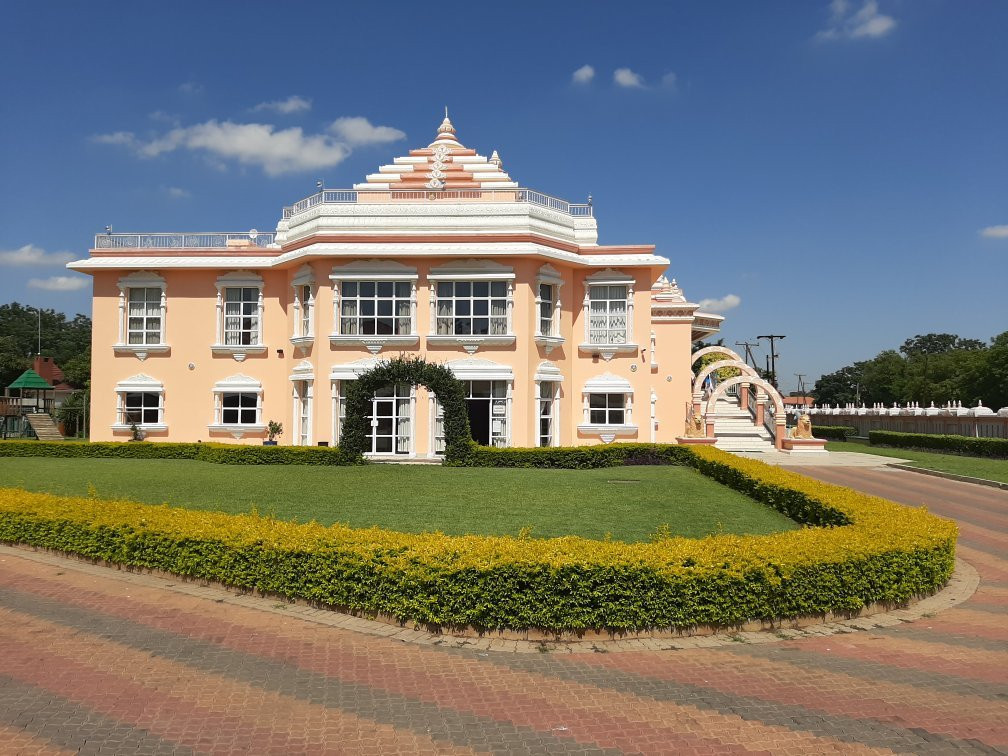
column 463, row 289
column 444, row 289
column 385, row 288
column 597, row 417
column 402, row 289
column 367, row 288
column 349, row 288
column 596, row 400
column 481, row 288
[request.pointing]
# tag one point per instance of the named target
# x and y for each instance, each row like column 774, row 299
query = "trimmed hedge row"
column 884, row 553
column 834, row 432
column 995, row 448
column 221, row 454
column 575, row 457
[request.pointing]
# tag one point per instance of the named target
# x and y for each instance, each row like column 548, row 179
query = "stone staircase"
column 44, row 426
column 736, row 431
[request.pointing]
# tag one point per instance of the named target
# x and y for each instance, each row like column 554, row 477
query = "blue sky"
column 836, row 172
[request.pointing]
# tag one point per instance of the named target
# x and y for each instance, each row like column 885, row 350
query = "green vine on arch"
column 414, row 371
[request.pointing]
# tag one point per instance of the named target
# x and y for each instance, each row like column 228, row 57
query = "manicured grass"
column 974, row 467
column 627, row 503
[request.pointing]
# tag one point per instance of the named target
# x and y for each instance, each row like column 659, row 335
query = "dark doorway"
column 479, row 420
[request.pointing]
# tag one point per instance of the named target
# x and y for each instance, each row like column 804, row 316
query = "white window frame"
column 373, row 271
column 141, row 279
column 547, row 373
column 550, row 277
column 239, row 280
column 472, row 271
column 237, row 384
column 607, row 350
column 139, row 384
column 469, row 369
column 303, row 332
column 607, row 384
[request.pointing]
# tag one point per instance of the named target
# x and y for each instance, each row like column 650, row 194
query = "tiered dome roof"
column 443, row 164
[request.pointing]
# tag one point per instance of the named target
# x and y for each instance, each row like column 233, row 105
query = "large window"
column 606, row 409
column 607, row 314
column 488, row 411
column 141, row 408
column 472, row 308
column 375, row 308
column 239, row 408
column 241, row 316
column 144, row 324
column 389, row 420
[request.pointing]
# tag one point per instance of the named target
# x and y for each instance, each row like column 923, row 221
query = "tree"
column 13, row 361
column 62, row 339
column 77, row 370
column 841, row 387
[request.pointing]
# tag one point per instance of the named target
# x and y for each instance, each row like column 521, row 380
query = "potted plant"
column 273, row 429
column 137, row 432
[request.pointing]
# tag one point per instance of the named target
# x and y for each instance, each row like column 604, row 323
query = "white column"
column 220, row 316
column 629, row 307
column 586, row 316
column 334, row 419
column 259, row 329
column 629, row 410
column 536, row 397
column 296, row 331
column 556, row 312
column 433, row 307
column 295, row 415
column 413, row 308
column 507, row 412
column 164, row 311
column 310, row 414
column 510, row 315
column 217, row 408
column 555, row 441
column 122, row 315
column 584, row 398
column 120, row 417
column 337, row 320
column 538, row 310
column 259, row 408
column 412, row 420
column 654, row 355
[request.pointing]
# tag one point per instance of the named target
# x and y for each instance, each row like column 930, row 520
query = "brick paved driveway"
column 91, row 661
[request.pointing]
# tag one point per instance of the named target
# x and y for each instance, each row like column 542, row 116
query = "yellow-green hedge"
column 887, row 553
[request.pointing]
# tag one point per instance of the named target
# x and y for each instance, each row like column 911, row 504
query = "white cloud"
column 583, row 75
column 177, row 192
column 358, row 131
column 864, row 22
column 727, row 302
column 29, row 254
column 293, row 104
column 190, row 87
column 995, row 232
column 260, row 144
column 59, row 283
column 670, row 80
column 624, row 77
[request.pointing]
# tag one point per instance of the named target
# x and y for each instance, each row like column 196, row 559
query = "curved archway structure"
column 708, row 369
column 714, row 350
column 436, row 378
column 779, row 416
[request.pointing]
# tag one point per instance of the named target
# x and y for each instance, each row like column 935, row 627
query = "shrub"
column 576, row 457
column 833, row 432
column 883, row 552
column 222, row 454
column 995, row 448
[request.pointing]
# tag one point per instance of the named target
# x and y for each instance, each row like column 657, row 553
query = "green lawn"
column 974, row 467
column 630, row 503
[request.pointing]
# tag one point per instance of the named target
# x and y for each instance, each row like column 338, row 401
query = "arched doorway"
column 355, row 438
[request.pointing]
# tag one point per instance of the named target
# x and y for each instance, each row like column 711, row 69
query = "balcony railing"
column 181, row 240
column 364, row 196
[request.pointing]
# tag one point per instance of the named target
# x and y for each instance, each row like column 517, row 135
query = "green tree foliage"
column 13, row 361
column 77, row 370
column 933, row 367
column 62, row 339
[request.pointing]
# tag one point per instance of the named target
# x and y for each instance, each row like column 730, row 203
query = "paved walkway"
column 95, row 660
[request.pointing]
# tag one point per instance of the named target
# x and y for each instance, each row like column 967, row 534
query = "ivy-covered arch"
column 415, row 371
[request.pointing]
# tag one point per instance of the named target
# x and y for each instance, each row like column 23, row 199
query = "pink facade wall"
column 190, row 330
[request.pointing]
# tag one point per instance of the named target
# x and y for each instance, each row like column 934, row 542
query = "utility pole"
column 773, row 355
column 801, row 386
column 748, row 351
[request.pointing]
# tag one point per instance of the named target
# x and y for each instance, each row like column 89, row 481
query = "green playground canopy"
column 29, row 379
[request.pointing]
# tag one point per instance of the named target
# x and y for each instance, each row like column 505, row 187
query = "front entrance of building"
column 486, row 405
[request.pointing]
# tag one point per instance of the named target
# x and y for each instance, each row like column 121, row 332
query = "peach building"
column 558, row 340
